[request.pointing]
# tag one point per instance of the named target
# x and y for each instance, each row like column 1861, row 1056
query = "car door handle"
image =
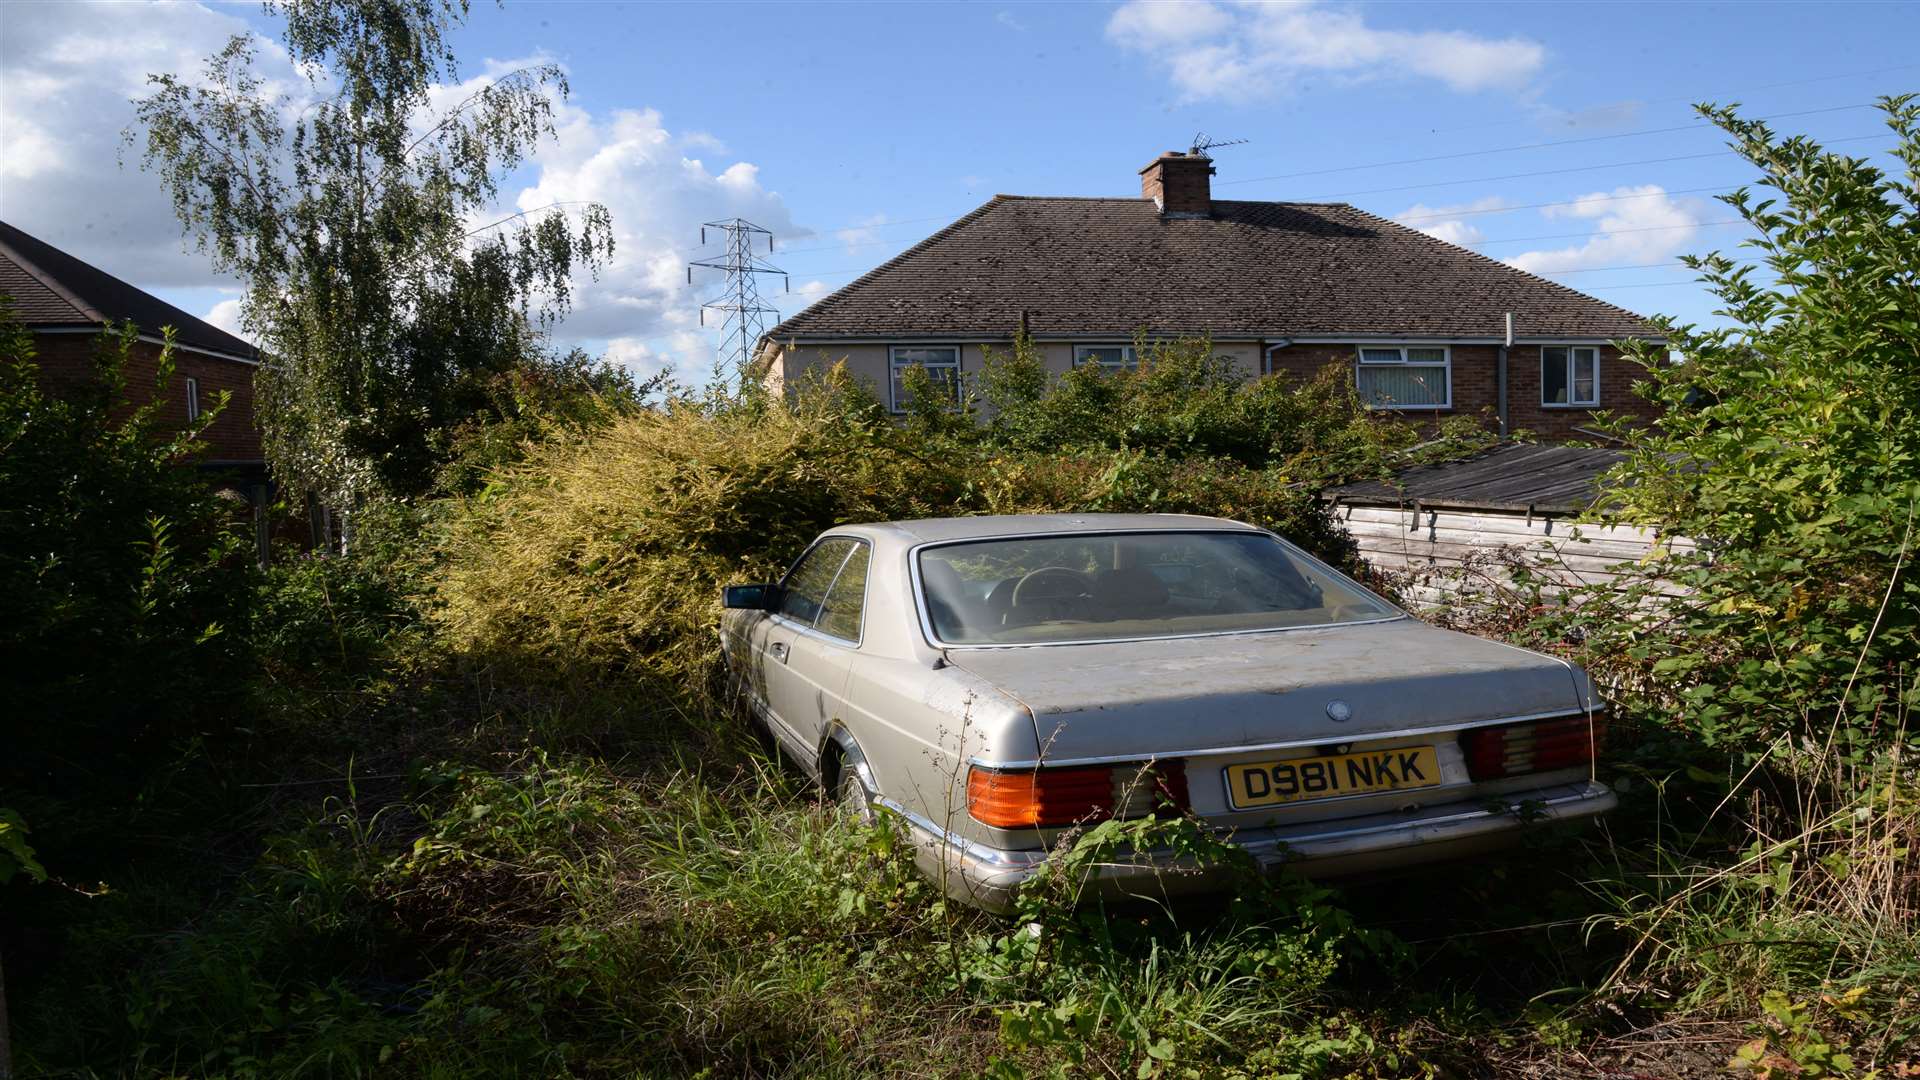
column 779, row 651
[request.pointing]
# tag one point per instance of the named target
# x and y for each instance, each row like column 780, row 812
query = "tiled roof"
column 51, row 288
column 1250, row 270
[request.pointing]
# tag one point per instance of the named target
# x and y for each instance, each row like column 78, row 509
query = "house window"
column 941, row 361
column 1569, row 375
column 193, row 400
column 1404, row 377
column 1111, row 357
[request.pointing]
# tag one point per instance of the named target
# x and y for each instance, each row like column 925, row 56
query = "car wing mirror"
column 750, row 597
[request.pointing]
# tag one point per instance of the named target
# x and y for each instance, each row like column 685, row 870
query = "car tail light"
column 1537, row 746
column 1046, row 797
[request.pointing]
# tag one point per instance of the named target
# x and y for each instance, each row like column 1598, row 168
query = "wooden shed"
column 1449, row 531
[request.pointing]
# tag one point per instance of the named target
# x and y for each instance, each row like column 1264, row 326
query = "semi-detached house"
column 1280, row 287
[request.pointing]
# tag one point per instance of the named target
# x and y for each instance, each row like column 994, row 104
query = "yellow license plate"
column 1270, row 783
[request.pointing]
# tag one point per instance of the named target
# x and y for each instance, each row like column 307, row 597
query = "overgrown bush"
column 127, row 590
column 1182, row 401
column 607, row 551
column 1789, row 446
column 1774, row 692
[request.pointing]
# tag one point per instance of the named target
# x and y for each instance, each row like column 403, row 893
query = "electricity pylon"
column 742, row 313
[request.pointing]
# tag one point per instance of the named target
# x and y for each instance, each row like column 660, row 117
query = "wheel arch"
column 839, row 751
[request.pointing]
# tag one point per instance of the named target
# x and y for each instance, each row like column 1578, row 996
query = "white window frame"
column 1571, row 402
column 193, row 399
column 893, row 372
column 1129, row 357
column 1445, row 365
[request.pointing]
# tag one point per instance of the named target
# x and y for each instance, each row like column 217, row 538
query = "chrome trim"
column 992, row 858
column 1356, row 738
column 1588, row 790
column 934, row 640
column 997, row 857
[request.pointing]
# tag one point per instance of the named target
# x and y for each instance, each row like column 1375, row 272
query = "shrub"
column 126, row 584
column 1186, row 401
column 609, row 550
column 606, row 552
column 1789, row 445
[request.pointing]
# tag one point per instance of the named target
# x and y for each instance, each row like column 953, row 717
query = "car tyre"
column 851, row 796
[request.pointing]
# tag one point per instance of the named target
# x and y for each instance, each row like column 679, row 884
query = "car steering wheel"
column 1067, row 584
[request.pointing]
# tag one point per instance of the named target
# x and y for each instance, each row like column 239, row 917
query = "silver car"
column 999, row 681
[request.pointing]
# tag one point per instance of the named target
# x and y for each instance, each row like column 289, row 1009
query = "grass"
column 544, row 913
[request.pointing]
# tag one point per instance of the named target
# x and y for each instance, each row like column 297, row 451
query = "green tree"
column 348, row 216
column 1790, row 448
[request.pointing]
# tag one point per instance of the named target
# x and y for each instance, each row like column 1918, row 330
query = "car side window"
column 805, row 588
column 846, row 599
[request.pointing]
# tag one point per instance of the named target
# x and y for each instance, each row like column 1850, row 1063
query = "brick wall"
column 1617, row 376
column 1476, row 387
column 66, row 358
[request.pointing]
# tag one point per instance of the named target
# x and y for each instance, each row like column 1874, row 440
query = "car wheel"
column 850, row 795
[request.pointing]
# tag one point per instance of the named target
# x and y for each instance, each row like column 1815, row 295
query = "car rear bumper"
column 990, row 877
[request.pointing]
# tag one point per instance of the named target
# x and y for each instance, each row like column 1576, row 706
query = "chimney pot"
column 1179, row 184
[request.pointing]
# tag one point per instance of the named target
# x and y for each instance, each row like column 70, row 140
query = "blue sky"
column 1555, row 136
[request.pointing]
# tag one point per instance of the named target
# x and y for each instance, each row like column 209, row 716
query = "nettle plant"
column 1789, row 446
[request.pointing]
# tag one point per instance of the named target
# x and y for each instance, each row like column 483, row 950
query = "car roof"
column 924, row 530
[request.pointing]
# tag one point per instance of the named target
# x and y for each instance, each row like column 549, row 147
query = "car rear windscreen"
column 1119, row 586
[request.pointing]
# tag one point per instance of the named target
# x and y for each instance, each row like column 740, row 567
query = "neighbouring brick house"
column 68, row 303
column 1423, row 325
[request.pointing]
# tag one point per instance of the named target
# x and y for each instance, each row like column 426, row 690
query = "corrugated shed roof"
column 1544, row 479
column 51, row 288
column 1249, row 270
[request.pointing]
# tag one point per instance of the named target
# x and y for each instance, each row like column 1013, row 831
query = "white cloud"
column 1632, row 225
column 226, row 316
column 68, row 74
column 1145, row 24
column 1250, row 50
column 647, row 357
column 864, row 234
column 1449, row 222
column 658, row 194
column 1007, row 19
column 807, row 294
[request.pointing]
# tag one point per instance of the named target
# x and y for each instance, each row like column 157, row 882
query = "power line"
column 1472, row 211
column 1495, row 150
column 1344, row 194
column 1643, row 285
column 1559, row 172
column 1698, row 96
column 1609, row 232
column 1438, row 183
column 1534, row 146
column 1455, row 156
column 1414, row 187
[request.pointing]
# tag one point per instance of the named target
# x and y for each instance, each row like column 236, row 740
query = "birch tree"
column 355, row 212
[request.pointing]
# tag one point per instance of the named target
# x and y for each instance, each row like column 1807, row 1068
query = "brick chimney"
column 1178, row 183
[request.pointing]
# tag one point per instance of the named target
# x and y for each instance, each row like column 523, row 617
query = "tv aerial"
column 1202, row 142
